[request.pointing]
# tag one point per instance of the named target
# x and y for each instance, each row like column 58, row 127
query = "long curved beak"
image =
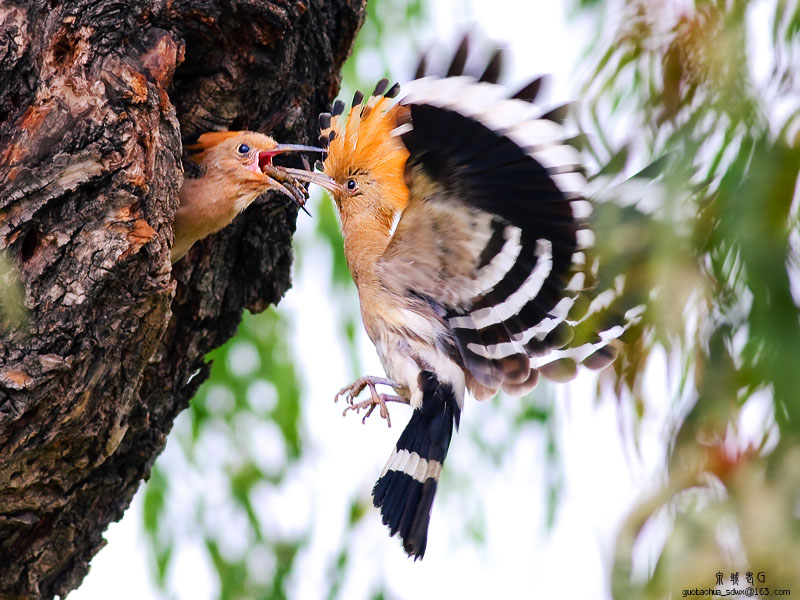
column 265, row 156
column 314, row 177
column 296, row 148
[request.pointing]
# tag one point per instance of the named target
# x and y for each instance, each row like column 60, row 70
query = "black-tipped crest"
column 319, row 166
column 324, row 120
column 393, row 91
column 323, row 141
column 380, row 87
column 338, row 108
column 358, row 97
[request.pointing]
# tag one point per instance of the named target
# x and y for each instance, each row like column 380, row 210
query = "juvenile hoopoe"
column 236, row 169
column 465, row 231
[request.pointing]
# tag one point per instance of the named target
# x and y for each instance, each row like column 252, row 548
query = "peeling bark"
column 95, row 96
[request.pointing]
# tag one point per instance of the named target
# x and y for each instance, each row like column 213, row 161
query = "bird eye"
column 244, row 149
column 352, row 184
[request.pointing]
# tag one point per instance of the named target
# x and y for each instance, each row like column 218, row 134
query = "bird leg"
column 376, row 399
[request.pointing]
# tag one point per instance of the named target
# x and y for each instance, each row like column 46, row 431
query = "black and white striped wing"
column 494, row 230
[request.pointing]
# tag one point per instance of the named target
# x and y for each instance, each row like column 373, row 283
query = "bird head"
column 364, row 168
column 243, row 161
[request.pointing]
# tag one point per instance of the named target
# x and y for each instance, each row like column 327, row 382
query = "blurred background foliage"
column 690, row 115
column 709, row 90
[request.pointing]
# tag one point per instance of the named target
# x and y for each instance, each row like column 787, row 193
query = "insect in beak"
column 285, row 178
column 321, row 179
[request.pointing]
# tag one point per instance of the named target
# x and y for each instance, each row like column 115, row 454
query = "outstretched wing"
column 494, row 230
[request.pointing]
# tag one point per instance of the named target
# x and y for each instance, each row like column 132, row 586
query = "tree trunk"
column 95, row 96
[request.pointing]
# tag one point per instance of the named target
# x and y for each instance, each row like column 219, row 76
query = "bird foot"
column 376, row 399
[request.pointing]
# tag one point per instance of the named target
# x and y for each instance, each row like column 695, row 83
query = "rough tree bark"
column 95, row 96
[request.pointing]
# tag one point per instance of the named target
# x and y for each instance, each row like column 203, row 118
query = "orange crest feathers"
column 208, row 140
column 363, row 142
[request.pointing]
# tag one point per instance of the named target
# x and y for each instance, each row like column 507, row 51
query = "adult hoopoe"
column 236, row 168
column 465, row 232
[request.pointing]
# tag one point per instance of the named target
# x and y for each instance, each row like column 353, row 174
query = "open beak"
column 285, row 177
column 265, row 156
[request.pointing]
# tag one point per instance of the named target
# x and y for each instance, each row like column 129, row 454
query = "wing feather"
column 494, row 232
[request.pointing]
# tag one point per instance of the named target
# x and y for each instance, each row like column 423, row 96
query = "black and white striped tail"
column 406, row 488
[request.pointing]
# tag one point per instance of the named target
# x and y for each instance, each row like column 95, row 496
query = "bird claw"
column 370, row 405
column 376, row 399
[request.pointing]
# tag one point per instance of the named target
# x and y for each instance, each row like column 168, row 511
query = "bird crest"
column 363, row 141
column 196, row 146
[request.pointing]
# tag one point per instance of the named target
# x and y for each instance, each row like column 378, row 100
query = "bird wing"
column 494, row 230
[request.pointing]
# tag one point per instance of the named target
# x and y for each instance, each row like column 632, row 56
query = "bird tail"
column 406, row 488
